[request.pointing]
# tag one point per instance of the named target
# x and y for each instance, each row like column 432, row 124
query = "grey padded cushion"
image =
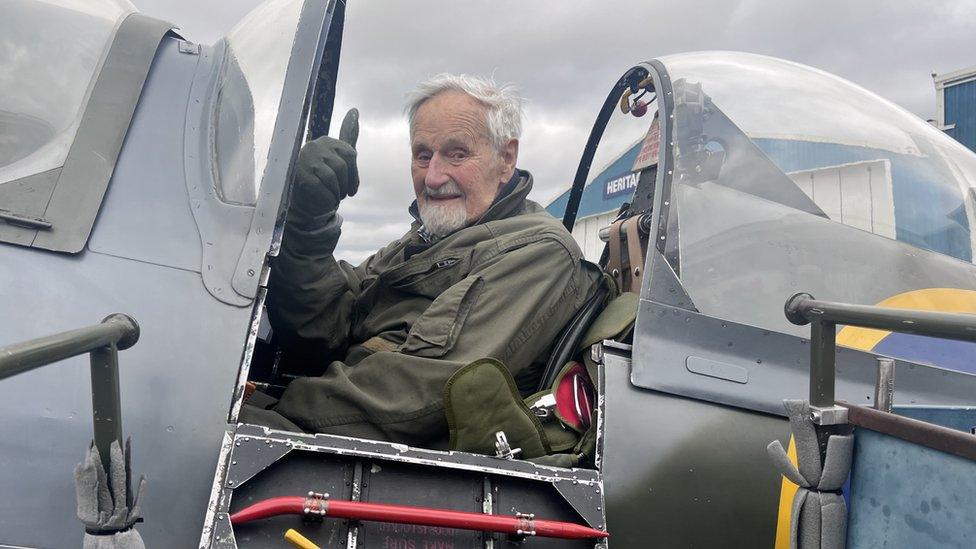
column 819, row 517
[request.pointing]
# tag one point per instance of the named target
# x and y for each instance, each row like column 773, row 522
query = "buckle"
column 504, row 450
column 316, row 506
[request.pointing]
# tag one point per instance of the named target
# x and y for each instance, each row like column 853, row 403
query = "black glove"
column 326, row 173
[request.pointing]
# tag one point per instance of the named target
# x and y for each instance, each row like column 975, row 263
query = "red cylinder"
column 423, row 516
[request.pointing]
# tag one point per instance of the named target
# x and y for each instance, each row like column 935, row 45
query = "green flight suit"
column 414, row 313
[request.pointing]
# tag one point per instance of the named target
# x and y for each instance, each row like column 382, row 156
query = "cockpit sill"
column 248, row 450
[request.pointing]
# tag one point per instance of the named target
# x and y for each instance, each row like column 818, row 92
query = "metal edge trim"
column 301, row 74
column 131, row 55
column 663, row 200
column 218, row 483
column 244, row 369
column 402, row 453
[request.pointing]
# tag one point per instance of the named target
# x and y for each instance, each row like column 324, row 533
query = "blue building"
column 955, row 98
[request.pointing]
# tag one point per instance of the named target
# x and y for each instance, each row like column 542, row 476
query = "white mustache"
column 448, row 189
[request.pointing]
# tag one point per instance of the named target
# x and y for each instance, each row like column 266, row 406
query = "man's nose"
column 436, row 173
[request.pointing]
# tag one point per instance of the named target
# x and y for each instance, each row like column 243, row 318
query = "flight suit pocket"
column 435, row 332
column 431, row 278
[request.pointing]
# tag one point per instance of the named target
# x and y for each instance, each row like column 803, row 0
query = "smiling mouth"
column 443, row 198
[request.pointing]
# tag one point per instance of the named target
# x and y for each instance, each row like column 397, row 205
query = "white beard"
column 442, row 219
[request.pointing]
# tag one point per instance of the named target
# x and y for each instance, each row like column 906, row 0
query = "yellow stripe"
column 786, row 493
column 949, row 300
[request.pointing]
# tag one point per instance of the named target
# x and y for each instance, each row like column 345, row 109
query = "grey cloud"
column 565, row 55
column 202, row 22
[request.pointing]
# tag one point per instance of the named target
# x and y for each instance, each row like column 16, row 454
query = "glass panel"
column 850, row 155
column 253, row 75
column 788, row 179
column 49, row 55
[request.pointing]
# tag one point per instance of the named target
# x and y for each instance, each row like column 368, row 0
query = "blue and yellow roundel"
column 955, row 355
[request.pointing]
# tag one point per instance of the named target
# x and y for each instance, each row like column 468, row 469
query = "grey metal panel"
column 958, row 418
column 175, row 384
column 295, row 475
column 777, row 365
column 146, row 212
column 403, row 484
column 91, row 158
column 28, row 196
column 222, row 227
column 251, row 456
column 680, row 472
column 310, row 37
column 905, row 495
column 585, row 499
column 662, row 285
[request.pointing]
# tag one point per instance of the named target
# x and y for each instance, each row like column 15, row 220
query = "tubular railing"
column 102, row 342
column 823, row 317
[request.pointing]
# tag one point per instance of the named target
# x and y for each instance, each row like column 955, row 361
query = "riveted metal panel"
column 146, row 213
column 775, row 365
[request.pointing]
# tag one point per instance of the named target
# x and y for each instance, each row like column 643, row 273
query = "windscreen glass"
column 50, row 53
column 788, row 179
column 249, row 93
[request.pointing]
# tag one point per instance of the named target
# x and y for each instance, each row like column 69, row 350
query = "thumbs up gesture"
column 326, row 173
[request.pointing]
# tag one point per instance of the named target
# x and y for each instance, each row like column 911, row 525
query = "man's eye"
column 458, row 155
column 423, row 157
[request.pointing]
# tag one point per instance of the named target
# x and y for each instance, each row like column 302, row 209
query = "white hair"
column 504, row 106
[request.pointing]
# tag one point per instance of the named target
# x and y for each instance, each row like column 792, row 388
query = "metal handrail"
column 102, row 342
column 824, row 316
column 803, row 308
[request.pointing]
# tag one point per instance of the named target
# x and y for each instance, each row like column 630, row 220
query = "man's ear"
column 508, row 157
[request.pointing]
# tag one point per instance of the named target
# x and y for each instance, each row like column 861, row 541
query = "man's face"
column 456, row 170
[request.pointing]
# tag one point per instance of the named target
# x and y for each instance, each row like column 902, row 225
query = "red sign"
column 648, row 152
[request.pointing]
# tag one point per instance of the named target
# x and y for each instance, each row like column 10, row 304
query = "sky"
column 565, row 55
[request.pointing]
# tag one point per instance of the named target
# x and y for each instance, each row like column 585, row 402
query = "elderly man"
column 482, row 272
